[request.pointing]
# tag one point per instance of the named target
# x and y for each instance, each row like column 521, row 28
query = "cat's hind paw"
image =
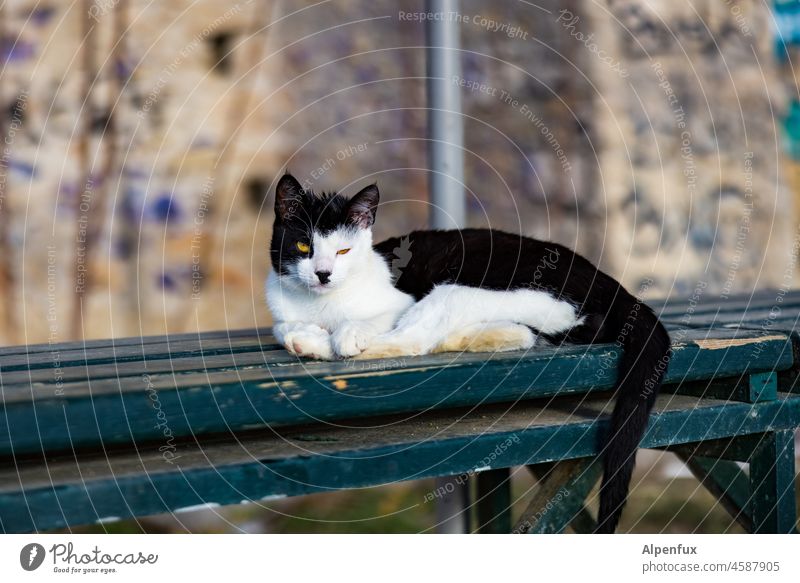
column 491, row 337
column 385, row 347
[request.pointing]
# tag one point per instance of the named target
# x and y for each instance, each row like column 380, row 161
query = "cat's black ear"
column 288, row 197
column 362, row 207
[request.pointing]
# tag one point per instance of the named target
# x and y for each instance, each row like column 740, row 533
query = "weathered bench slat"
column 725, row 353
column 135, row 352
column 671, row 311
column 91, row 360
column 81, row 415
column 758, row 319
column 264, row 334
column 261, row 465
column 46, row 378
column 712, row 303
column 765, row 310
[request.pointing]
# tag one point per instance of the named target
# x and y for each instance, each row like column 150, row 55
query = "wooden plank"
column 81, row 374
column 134, row 353
column 711, row 304
column 766, row 311
column 118, row 370
column 264, row 335
column 252, row 398
column 283, row 367
column 70, row 489
column 765, row 321
column 493, row 501
column 761, row 300
column 735, row 448
column 748, row 388
column 773, row 504
column 137, row 409
column 725, row 353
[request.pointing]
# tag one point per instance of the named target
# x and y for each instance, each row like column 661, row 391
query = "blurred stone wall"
column 690, row 146
column 643, row 133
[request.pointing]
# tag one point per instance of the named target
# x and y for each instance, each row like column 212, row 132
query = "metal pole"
column 445, row 127
column 446, row 187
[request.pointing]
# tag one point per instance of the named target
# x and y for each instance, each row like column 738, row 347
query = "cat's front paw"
column 350, row 340
column 310, row 344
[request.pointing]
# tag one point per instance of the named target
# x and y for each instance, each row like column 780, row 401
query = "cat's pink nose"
column 324, row 276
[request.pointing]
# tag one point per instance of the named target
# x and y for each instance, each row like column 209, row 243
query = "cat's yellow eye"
column 343, row 251
column 302, row 247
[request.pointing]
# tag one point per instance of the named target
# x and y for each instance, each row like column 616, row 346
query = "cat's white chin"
column 320, row 289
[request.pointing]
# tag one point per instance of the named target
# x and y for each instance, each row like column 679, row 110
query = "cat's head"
column 317, row 240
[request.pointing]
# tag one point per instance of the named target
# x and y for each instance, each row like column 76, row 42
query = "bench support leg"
column 773, row 501
column 726, row 482
column 764, row 501
column 559, row 500
column 493, row 501
column 583, row 522
column 452, row 508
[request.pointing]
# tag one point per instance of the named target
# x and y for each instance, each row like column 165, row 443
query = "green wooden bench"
column 102, row 430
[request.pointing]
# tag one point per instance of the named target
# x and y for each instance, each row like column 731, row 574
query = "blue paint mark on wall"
column 25, row 169
column 165, row 208
column 41, row 15
column 15, row 49
column 166, row 282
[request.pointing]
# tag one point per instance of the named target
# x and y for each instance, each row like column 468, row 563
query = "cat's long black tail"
column 646, row 352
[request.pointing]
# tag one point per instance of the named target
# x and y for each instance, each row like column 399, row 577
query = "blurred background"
column 141, row 142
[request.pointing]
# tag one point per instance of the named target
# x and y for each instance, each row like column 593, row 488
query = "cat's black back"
column 493, row 259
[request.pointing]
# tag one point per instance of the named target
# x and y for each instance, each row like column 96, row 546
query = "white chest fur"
column 343, row 320
column 363, row 299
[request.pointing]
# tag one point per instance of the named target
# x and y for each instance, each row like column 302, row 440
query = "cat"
column 333, row 294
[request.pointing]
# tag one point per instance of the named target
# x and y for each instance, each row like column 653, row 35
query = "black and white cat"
column 333, row 294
